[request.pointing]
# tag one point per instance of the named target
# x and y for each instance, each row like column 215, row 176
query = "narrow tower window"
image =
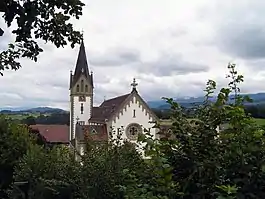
column 77, row 88
column 82, row 108
column 82, row 85
column 134, row 113
column 86, row 88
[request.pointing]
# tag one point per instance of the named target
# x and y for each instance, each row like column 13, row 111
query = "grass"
column 23, row 116
column 260, row 121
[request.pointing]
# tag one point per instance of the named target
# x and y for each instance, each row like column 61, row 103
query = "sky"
column 171, row 47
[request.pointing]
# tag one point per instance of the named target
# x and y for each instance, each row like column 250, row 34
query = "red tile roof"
column 93, row 132
column 107, row 108
column 53, row 133
column 96, row 132
column 115, row 101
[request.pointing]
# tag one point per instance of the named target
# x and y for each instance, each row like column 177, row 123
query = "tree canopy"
column 47, row 20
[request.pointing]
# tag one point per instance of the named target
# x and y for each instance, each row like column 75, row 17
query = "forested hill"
column 48, row 115
column 39, row 115
column 258, row 99
column 43, row 110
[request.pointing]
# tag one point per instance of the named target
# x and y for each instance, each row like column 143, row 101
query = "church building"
column 127, row 115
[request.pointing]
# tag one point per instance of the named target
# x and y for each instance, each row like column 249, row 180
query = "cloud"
column 6, row 38
column 172, row 48
column 115, row 57
column 171, row 64
column 240, row 29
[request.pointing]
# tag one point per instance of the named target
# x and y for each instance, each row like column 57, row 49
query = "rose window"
column 133, row 130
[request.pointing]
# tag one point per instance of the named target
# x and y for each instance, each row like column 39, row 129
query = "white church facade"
column 127, row 115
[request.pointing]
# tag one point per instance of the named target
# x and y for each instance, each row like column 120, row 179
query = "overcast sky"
column 171, row 47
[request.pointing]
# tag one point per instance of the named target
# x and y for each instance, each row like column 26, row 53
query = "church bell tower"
column 81, row 92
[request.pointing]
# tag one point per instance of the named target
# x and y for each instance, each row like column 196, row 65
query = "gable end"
column 133, row 98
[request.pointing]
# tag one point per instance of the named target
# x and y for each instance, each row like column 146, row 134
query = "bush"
column 14, row 142
column 206, row 163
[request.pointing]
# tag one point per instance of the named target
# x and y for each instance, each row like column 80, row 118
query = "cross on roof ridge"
column 134, row 84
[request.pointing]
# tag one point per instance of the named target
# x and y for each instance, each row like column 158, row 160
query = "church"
column 127, row 115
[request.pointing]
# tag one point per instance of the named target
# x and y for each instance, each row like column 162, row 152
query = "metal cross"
column 77, row 119
column 134, row 84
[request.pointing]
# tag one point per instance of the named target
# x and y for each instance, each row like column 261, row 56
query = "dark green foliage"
column 30, row 120
column 103, row 169
column 54, row 118
column 14, row 141
column 209, row 164
column 51, row 173
column 55, row 174
column 47, row 20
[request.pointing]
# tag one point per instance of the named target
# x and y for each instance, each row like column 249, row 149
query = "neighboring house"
column 127, row 114
column 53, row 134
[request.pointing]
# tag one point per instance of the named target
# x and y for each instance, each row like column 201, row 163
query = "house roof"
column 97, row 132
column 107, row 108
column 53, row 133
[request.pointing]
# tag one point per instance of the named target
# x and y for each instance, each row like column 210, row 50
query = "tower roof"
column 81, row 67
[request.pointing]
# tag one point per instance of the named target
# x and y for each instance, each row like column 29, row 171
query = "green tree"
column 103, row 168
column 201, row 162
column 30, row 120
column 56, row 174
column 51, row 173
column 14, row 142
column 38, row 19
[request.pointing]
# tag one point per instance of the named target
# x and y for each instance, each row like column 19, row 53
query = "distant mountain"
column 44, row 110
column 33, row 110
column 258, row 98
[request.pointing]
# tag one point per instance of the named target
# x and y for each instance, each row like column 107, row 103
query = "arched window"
column 77, row 88
column 82, row 108
column 134, row 113
column 82, row 85
column 86, row 88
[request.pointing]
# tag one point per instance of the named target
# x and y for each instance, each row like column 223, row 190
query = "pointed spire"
column 81, row 64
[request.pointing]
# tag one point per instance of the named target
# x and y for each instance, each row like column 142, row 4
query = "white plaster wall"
column 71, row 125
column 142, row 118
column 77, row 111
column 82, row 149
